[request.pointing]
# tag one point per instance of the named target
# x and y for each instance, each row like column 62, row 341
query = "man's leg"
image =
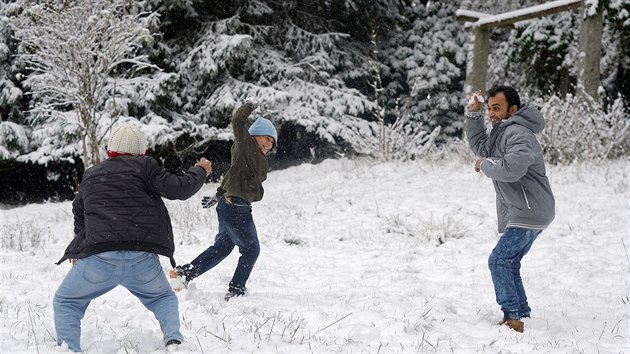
column 524, row 309
column 501, row 260
column 88, row 279
column 145, row 279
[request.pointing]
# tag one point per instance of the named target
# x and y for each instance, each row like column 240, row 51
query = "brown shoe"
column 516, row 325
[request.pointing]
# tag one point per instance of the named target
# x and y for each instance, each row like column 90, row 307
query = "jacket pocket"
column 513, row 195
column 525, row 197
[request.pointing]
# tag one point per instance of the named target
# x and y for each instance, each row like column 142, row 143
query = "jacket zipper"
column 525, row 195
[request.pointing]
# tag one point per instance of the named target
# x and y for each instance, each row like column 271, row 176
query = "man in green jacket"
column 241, row 186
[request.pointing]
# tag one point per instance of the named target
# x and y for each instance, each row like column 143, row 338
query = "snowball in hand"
column 472, row 98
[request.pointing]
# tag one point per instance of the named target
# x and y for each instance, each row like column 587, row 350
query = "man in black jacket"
column 121, row 225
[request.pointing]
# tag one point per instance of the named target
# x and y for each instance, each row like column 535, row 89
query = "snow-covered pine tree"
column 80, row 56
column 293, row 56
column 615, row 62
column 547, row 47
column 431, row 60
column 400, row 137
column 13, row 138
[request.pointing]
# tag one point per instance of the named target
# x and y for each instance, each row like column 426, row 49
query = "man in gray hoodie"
column 512, row 157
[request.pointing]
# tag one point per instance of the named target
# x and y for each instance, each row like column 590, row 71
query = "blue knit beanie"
column 263, row 126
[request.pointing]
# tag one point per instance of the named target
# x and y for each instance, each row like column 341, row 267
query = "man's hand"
column 252, row 102
column 206, row 164
column 475, row 101
column 478, row 165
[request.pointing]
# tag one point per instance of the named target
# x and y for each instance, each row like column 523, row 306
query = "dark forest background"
column 328, row 73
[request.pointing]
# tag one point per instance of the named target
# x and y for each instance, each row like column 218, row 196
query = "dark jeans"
column 236, row 228
column 505, row 267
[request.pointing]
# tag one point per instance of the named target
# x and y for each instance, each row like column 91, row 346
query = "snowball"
column 472, row 98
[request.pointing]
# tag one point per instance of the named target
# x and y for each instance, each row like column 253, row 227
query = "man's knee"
column 495, row 260
column 254, row 250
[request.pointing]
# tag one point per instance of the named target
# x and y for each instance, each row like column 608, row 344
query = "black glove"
column 209, row 201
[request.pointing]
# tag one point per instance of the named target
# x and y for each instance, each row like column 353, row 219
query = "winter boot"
column 514, row 324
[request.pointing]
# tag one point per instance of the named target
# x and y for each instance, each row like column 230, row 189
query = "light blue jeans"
column 505, row 267
column 91, row 277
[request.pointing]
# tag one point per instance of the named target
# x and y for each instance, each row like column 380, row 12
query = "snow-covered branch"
column 78, row 56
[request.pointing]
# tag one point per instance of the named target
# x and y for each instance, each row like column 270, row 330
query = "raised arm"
column 239, row 120
column 476, row 133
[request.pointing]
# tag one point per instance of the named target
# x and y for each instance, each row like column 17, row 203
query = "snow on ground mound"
column 356, row 256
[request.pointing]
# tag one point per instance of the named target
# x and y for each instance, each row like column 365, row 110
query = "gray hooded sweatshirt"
column 514, row 161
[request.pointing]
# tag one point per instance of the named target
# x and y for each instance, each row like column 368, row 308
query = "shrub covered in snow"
column 577, row 128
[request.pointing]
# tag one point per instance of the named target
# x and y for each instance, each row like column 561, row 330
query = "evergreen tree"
column 427, row 67
column 616, row 56
column 13, row 135
column 291, row 56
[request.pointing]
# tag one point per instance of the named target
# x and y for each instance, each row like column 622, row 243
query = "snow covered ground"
column 357, row 257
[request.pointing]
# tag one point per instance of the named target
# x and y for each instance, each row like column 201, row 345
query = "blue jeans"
column 91, row 277
column 236, row 228
column 505, row 267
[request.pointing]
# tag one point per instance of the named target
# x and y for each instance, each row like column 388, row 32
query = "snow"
column 591, row 7
column 475, row 98
column 469, row 14
column 356, row 256
column 521, row 14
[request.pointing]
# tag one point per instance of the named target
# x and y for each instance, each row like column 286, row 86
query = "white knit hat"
column 127, row 139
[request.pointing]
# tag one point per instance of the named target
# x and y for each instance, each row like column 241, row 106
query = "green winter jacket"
column 249, row 166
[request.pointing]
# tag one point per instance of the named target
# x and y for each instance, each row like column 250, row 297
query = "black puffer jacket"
column 120, row 207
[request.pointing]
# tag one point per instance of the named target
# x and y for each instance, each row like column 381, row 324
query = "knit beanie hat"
column 127, row 139
column 263, row 126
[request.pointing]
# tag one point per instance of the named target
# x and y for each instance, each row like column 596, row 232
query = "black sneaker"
column 173, row 342
column 231, row 294
column 235, row 291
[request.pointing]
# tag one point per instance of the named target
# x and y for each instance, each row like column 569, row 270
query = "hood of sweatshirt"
column 528, row 117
